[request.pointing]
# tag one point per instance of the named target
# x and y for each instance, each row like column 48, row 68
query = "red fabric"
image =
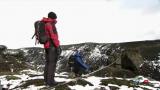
column 146, row 81
column 49, row 29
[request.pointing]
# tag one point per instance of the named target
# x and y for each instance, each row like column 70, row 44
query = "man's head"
column 52, row 15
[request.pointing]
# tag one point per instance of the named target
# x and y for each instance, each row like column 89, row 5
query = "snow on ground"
column 156, row 63
column 32, row 87
column 95, row 53
column 66, row 53
column 62, row 77
column 11, row 51
column 13, row 83
column 29, row 71
column 22, row 77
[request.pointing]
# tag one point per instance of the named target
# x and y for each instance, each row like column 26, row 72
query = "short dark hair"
column 52, row 15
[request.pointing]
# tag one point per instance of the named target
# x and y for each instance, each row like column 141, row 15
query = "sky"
column 79, row 21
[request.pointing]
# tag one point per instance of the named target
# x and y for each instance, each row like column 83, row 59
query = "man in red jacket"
column 52, row 49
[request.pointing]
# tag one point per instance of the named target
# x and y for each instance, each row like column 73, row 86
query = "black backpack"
column 40, row 32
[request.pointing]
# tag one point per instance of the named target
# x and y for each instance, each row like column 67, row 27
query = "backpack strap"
column 36, row 38
column 35, row 34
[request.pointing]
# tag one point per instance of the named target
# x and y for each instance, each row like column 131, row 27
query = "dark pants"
column 50, row 65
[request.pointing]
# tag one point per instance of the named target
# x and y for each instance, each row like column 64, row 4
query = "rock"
column 131, row 60
column 129, row 57
column 2, row 48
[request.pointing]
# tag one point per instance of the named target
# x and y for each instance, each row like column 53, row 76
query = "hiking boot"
column 53, row 84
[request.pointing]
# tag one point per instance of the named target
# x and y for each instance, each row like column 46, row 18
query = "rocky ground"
column 23, row 68
column 33, row 80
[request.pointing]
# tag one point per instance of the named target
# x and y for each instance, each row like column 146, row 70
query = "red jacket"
column 50, row 31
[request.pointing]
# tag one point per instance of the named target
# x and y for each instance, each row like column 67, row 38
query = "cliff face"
column 148, row 53
column 141, row 57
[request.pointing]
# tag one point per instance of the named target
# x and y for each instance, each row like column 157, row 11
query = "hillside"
column 130, row 59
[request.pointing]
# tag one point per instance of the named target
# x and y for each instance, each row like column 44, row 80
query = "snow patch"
column 66, row 53
column 95, row 53
column 29, row 71
column 92, row 79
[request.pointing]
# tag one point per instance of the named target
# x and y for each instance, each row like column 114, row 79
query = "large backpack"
column 40, row 32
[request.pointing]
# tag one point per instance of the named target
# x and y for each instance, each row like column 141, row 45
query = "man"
column 52, row 49
column 77, row 64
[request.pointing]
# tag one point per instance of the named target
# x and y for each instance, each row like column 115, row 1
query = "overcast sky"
column 101, row 21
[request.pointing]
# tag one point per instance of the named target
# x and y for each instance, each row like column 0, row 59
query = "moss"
column 62, row 87
column 113, row 88
column 114, row 72
column 116, row 82
column 80, row 82
column 5, row 73
column 11, row 77
column 71, row 83
column 36, row 82
column 15, row 62
column 146, row 88
column 33, row 75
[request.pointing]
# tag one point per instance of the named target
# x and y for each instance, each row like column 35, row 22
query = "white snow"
column 33, row 87
column 156, row 63
column 25, row 51
column 95, row 53
column 29, row 71
column 92, row 79
column 67, row 53
column 79, row 87
column 125, row 88
column 10, row 51
column 82, row 47
column 13, row 83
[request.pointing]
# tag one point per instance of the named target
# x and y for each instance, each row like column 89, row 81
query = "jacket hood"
column 49, row 20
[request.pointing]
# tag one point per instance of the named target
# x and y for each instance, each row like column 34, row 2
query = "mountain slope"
column 131, row 59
